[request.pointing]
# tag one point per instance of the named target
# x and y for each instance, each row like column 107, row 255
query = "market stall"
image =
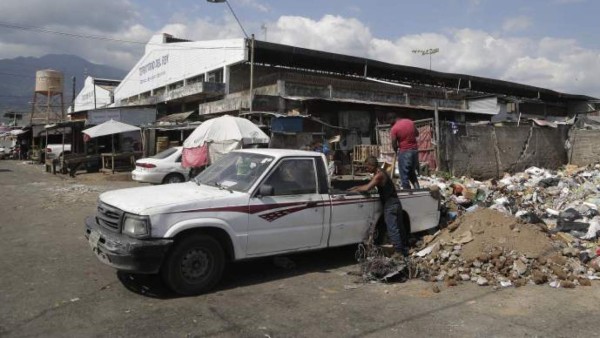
column 125, row 157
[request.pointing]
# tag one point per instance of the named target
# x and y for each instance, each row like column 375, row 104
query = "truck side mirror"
column 266, row 190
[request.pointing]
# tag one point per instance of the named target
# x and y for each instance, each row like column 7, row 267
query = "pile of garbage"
column 535, row 227
column 538, row 226
column 488, row 247
column 567, row 200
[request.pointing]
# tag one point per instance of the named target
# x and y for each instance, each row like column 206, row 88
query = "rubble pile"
column 488, row 247
column 566, row 200
column 534, row 227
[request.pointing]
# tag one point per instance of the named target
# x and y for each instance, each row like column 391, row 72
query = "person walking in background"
column 404, row 141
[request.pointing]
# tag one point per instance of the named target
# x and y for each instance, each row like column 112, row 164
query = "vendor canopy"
column 109, row 127
column 226, row 129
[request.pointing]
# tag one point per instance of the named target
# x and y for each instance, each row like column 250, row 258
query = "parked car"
column 3, row 152
column 164, row 167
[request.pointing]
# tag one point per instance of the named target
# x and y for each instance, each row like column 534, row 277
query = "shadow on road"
column 251, row 272
column 5, row 170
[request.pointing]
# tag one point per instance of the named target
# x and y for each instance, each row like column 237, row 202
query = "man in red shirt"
column 404, row 141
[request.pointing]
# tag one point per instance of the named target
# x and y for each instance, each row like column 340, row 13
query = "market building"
column 300, row 95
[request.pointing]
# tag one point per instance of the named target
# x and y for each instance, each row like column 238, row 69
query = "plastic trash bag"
column 569, row 215
column 593, row 230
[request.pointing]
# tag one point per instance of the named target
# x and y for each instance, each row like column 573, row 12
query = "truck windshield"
column 235, row 171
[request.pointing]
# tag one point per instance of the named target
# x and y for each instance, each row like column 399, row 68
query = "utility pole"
column 73, row 96
column 251, row 74
column 264, row 28
column 251, row 94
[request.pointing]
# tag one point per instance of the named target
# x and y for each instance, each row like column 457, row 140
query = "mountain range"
column 17, row 78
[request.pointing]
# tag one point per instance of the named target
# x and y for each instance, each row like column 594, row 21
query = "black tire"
column 195, row 265
column 173, row 178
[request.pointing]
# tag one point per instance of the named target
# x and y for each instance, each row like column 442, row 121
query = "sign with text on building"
column 154, row 68
column 169, row 63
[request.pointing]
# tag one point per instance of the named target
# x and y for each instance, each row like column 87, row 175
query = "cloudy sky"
column 548, row 43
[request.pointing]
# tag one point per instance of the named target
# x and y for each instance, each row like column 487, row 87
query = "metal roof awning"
column 169, row 126
column 177, row 117
column 298, row 98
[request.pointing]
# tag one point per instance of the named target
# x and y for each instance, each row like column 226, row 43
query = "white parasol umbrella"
column 226, row 129
column 218, row 136
column 110, row 127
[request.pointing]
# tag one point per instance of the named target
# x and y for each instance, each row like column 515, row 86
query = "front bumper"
column 123, row 252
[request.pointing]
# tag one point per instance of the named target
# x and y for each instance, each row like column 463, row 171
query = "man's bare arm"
column 369, row 186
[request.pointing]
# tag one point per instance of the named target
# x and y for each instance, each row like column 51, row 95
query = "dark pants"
column 408, row 164
column 396, row 229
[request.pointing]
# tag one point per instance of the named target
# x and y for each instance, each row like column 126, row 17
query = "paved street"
column 52, row 285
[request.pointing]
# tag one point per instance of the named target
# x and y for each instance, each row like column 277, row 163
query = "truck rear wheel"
column 194, row 265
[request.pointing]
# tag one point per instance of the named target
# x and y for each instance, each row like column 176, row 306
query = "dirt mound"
column 490, row 229
column 488, row 247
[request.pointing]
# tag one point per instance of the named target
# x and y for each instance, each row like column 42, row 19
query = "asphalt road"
column 52, row 285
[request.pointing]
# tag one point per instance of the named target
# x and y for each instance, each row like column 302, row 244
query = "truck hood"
column 166, row 198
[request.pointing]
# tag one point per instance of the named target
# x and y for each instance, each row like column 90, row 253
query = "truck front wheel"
column 194, row 265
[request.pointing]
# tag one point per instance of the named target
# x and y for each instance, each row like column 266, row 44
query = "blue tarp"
column 291, row 124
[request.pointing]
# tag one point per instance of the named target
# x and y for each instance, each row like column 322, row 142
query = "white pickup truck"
column 55, row 151
column 250, row 203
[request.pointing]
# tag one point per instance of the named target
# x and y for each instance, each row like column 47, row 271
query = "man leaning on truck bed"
column 392, row 208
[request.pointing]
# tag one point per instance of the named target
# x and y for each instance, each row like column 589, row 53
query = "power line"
column 17, row 75
column 99, row 37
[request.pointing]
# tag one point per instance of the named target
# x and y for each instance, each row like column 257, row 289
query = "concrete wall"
column 585, row 147
column 486, row 151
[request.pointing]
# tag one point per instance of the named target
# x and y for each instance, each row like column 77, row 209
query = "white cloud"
column 331, row 33
column 256, row 5
column 552, row 63
column 107, row 15
column 518, row 23
column 558, row 64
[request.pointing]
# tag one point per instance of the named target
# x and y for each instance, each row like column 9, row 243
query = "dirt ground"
column 52, row 285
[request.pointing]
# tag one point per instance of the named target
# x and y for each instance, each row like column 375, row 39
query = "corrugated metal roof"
column 177, row 117
column 301, row 58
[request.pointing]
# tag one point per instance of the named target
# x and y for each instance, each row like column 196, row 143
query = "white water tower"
column 48, row 106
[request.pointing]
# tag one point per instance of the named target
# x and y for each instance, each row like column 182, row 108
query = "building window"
column 511, row 107
column 176, row 85
column 195, row 79
column 159, row 91
column 215, row 76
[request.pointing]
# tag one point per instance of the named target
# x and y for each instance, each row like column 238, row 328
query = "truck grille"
column 109, row 217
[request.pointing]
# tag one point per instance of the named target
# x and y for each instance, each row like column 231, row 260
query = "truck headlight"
column 136, row 226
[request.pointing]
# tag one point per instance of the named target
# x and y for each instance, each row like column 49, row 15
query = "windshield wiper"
column 222, row 187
